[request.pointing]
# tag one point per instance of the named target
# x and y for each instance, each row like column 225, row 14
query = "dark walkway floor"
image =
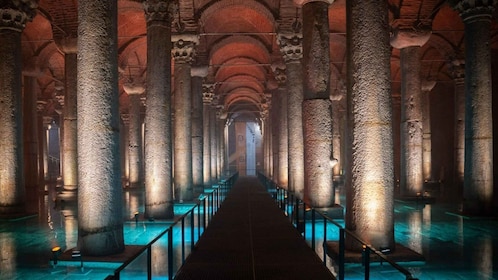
column 251, row 238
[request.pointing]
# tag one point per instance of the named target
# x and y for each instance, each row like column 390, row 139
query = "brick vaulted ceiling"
column 238, row 42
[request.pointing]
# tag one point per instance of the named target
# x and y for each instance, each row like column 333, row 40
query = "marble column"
column 278, row 70
column 12, row 22
column 275, row 133
column 30, row 130
column 207, row 99
column 214, row 144
column 408, row 38
column 100, row 193
column 317, row 114
column 292, row 52
column 134, row 89
column 370, row 195
column 457, row 68
column 69, row 114
column 42, row 141
column 221, row 117
column 157, row 138
column 478, row 177
column 183, row 54
column 427, row 87
column 197, row 73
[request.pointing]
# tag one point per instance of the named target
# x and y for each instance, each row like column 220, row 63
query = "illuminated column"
column 221, row 116
column 46, row 130
column 158, row 143
column 427, row 86
column 337, row 98
column 478, row 178
column 281, row 121
column 100, row 195
column 42, row 140
column 214, row 143
column 370, row 198
column 69, row 133
column 274, row 112
column 198, row 73
column 292, row 52
column 408, row 38
column 125, row 146
column 207, row 99
column 135, row 89
column 317, row 115
column 30, row 130
column 14, row 16
column 183, row 53
column 457, row 68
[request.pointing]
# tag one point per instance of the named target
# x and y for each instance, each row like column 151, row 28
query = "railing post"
column 366, row 261
column 342, row 248
column 192, row 229
column 183, row 240
column 313, row 229
column 170, row 253
column 199, row 220
column 149, row 262
column 304, row 220
column 324, row 241
column 204, row 214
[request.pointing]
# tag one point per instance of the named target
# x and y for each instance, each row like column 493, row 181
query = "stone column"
column 207, row 99
column 457, row 68
column 281, row 121
column 198, row 73
column 478, row 178
column 135, row 89
column 292, row 52
column 42, row 141
column 14, row 16
column 275, row 133
column 100, row 195
column 370, row 197
column 317, row 115
column 214, row 144
column 221, row 116
column 427, row 86
column 408, row 38
column 30, row 130
column 69, row 114
column 158, row 143
column 183, row 53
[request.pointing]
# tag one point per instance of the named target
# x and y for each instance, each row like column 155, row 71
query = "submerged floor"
column 454, row 247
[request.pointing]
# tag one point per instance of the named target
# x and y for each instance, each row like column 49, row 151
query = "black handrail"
column 281, row 198
column 218, row 194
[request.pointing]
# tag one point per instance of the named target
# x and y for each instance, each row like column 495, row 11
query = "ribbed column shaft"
column 100, row 197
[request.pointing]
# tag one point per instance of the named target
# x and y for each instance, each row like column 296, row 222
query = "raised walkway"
column 251, row 238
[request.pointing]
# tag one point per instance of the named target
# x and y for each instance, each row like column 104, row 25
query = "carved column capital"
column 207, row 93
column 199, row 71
column 183, row 50
column 15, row 14
column 409, row 33
column 159, row 11
column 456, row 66
column 474, row 10
column 134, row 86
column 291, row 46
column 278, row 70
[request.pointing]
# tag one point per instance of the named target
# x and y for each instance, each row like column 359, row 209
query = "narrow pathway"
column 251, row 238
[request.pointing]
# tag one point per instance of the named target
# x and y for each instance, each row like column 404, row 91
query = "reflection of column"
column 478, row 178
column 183, row 53
column 69, row 154
column 292, row 52
column 408, row 38
column 317, row 117
column 281, row 121
column 134, row 89
column 369, row 109
column 415, row 229
column 198, row 73
column 14, row 16
column 158, row 151
column 8, row 255
column 207, row 99
column 427, row 86
column 100, row 196
column 457, row 68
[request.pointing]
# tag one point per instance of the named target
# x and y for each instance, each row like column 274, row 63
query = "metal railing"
column 292, row 205
column 204, row 209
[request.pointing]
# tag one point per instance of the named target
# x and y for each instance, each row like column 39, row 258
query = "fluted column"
column 207, row 98
column 317, row 115
column 370, row 196
column 478, row 177
column 100, row 195
column 278, row 70
column 158, row 143
column 408, row 38
column 197, row 73
column 69, row 160
column 292, row 52
column 134, row 89
column 183, row 54
column 14, row 16
column 427, row 87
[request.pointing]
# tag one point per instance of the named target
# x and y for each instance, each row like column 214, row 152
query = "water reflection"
column 8, row 255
